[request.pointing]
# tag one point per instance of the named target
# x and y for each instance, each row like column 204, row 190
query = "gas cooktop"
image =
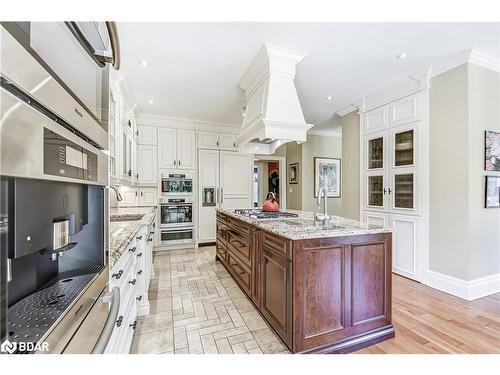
column 260, row 214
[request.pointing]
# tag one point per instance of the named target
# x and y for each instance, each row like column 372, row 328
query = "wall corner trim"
column 468, row 290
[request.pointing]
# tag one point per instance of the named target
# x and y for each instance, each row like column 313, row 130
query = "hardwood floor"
column 429, row 321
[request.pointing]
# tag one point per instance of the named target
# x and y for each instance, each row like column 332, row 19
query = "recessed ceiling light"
column 144, row 63
column 329, row 98
column 402, row 55
column 150, row 101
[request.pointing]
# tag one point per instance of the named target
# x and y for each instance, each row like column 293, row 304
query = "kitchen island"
column 323, row 289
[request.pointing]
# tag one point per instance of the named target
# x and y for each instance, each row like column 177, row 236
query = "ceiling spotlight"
column 144, row 63
column 329, row 98
column 402, row 55
column 150, row 101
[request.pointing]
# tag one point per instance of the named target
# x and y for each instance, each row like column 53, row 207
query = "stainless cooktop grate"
column 30, row 318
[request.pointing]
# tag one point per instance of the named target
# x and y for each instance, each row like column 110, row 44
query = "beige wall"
column 294, row 191
column 464, row 237
column 350, row 165
column 325, row 147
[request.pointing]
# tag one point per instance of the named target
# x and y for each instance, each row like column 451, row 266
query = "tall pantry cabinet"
column 393, row 137
column 225, row 181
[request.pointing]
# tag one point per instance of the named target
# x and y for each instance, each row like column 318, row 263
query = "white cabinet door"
column 227, row 141
column 376, row 219
column 405, row 110
column 208, row 140
column 186, row 149
column 148, row 135
column 147, row 157
column 148, row 197
column 130, row 197
column 375, row 191
column 376, row 120
column 405, row 245
column 167, row 148
column 235, row 179
column 208, row 164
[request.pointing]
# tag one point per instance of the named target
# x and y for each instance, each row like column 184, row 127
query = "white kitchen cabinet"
column 147, row 164
column 176, row 149
column 186, row 149
column 375, row 120
column 392, row 186
column 147, row 135
column 148, row 196
column 130, row 197
column 405, row 110
column 217, row 141
column 225, row 181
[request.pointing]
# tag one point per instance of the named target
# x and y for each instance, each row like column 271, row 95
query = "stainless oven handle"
column 77, row 33
column 115, row 44
column 102, row 341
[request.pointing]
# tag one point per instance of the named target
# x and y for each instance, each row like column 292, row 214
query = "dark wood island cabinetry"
column 322, row 291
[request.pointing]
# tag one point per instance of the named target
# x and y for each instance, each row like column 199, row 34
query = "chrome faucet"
column 324, row 218
column 118, row 195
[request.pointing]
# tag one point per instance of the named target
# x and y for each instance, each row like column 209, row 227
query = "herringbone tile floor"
column 196, row 307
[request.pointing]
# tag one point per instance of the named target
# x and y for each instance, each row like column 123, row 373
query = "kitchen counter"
column 304, row 227
column 122, row 232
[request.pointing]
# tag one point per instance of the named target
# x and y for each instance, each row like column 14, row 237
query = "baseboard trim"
column 468, row 290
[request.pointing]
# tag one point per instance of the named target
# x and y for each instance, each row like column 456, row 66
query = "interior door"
column 208, row 162
column 236, row 173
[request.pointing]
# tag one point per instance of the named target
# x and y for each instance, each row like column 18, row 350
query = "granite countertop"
column 304, row 227
column 122, row 232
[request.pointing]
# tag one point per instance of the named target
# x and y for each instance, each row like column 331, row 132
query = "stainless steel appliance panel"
column 176, row 213
column 178, row 236
column 177, row 184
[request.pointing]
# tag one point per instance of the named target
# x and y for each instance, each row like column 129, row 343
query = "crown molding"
column 325, row 133
column 183, row 123
column 472, row 56
column 347, row 110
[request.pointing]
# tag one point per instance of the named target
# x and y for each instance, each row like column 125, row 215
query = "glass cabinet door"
column 376, row 153
column 404, row 191
column 376, row 191
column 404, row 148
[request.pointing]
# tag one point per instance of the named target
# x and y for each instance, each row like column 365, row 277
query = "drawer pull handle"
column 139, row 255
column 139, row 238
column 139, row 298
column 133, row 325
column 238, row 243
column 132, row 281
column 118, row 274
column 132, row 250
column 139, row 272
column 119, row 321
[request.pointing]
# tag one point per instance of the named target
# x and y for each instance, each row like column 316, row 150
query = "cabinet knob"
column 139, row 238
column 132, row 281
column 150, row 239
column 117, row 275
column 119, row 321
column 129, row 173
column 139, row 298
column 132, row 250
column 133, row 325
column 139, row 272
column 139, row 255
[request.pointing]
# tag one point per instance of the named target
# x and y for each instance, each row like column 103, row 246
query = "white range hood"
column 273, row 115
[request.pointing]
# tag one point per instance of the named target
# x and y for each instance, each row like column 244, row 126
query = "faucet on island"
column 324, row 218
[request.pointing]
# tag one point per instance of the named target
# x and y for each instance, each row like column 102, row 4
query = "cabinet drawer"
column 221, row 251
column 277, row 244
column 239, row 271
column 222, row 231
column 240, row 245
column 239, row 226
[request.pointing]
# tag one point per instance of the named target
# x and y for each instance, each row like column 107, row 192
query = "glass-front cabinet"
column 375, row 191
column 403, row 191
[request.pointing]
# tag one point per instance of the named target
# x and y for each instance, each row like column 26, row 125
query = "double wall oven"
column 53, row 176
column 176, row 210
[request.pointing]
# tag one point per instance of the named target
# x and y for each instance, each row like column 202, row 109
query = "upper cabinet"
column 405, row 110
column 147, row 167
column 376, row 120
column 217, row 141
column 176, row 148
column 147, row 135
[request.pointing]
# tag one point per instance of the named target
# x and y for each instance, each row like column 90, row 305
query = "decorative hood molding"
column 272, row 115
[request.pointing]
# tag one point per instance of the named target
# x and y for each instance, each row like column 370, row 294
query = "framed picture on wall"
column 492, row 192
column 327, row 170
column 491, row 151
column 293, row 173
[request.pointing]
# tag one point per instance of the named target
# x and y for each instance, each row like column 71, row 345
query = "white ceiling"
column 195, row 67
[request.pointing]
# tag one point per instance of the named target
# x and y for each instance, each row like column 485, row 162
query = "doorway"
column 269, row 175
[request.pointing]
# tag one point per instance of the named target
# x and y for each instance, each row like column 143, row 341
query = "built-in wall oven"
column 53, row 195
column 177, row 184
column 176, row 221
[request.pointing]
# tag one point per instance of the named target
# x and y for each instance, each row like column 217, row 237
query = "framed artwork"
column 327, row 170
column 491, row 151
column 492, row 192
column 293, row 173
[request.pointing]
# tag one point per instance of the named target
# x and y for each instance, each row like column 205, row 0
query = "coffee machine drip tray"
column 31, row 317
